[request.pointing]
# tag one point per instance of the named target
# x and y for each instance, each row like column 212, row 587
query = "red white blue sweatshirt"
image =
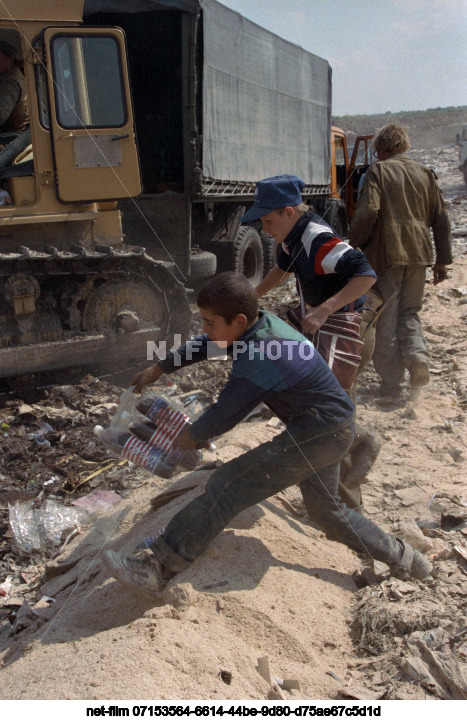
column 323, row 262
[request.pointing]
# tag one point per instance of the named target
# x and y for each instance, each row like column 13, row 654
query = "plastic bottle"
column 144, row 431
column 126, row 445
column 151, row 406
column 188, row 460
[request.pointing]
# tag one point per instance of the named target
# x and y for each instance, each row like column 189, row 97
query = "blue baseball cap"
column 274, row 193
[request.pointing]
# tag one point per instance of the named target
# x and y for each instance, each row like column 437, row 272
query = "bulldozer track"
column 105, row 284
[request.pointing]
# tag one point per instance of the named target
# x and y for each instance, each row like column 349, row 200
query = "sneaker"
column 412, row 562
column 140, row 572
column 419, row 374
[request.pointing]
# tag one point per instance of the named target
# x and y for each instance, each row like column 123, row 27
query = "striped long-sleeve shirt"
column 323, row 262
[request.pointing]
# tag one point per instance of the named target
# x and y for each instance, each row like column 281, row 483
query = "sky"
column 386, row 55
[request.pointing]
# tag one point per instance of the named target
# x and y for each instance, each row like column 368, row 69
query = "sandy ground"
column 271, row 585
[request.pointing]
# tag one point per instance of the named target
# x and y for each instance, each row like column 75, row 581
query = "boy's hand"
column 149, row 375
column 314, row 319
column 184, row 440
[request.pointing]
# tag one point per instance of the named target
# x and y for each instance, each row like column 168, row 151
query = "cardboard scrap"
column 275, row 692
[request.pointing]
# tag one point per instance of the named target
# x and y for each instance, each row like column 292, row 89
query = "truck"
column 150, row 122
column 461, row 141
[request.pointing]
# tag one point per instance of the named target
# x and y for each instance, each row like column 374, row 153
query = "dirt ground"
column 271, row 585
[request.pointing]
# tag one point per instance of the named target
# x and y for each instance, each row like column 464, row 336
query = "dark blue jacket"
column 274, row 364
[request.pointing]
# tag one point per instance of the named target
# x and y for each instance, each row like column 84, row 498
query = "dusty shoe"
column 412, row 562
column 419, row 374
column 141, row 572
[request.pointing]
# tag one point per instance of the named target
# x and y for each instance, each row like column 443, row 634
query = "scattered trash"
column 226, row 676
column 40, row 435
column 97, row 502
column 277, row 684
column 461, row 551
column 167, row 496
column 409, row 531
column 215, row 585
column 35, row 528
column 6, row 586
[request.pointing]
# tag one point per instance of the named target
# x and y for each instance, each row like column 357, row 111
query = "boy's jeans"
column 310, row 460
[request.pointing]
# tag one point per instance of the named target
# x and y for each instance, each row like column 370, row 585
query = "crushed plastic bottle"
column 35, row 528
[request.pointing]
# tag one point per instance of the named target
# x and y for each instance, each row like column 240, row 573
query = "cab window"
column 88, row 82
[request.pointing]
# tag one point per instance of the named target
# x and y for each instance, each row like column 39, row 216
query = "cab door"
column 90, row 114
column 362, row 157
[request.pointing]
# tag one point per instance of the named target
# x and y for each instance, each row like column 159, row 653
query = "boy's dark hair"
column 228, row 294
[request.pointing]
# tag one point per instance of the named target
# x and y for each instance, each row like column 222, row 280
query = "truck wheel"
column 270, row 249
column 247, row 254
column 202, row 264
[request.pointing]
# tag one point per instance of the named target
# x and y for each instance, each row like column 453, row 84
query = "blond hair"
column 392, row 139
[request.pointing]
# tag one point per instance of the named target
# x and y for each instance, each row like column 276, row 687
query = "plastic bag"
column 143, row 431
column 36, row 528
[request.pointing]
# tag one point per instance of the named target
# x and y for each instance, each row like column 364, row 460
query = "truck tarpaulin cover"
column 139, row 6
column 266, row 105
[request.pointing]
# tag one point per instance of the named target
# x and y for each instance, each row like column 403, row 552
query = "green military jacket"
column 14, row 117
column 399, row 203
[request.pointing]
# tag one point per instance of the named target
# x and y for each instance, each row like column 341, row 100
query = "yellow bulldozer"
column 71, row 292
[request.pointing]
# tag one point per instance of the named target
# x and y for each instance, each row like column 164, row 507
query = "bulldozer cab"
column 87, row 105
column 81, row 136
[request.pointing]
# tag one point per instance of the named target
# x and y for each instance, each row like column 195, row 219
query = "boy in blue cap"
column 274, row 364
column 330, row 272
column 331, row 275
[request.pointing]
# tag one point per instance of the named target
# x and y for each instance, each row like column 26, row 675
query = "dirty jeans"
column 310, row 460
column 399, row 337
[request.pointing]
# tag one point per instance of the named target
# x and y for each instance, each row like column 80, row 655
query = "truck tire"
column 247, row 254
column 270, row 249
column 202, row 264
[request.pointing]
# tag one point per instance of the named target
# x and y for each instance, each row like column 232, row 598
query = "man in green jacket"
column 14, row 117
column 399, row 204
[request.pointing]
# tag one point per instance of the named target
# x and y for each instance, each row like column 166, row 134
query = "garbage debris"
column 97, row 502
column 408, row 530
column 40, row 435
column 6, row 587
column 35, row 528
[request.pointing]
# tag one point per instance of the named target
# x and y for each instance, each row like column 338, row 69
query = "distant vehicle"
column 348, row 165
column 461, row 140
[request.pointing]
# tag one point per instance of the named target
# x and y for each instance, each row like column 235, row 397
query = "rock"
column 179, row 595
